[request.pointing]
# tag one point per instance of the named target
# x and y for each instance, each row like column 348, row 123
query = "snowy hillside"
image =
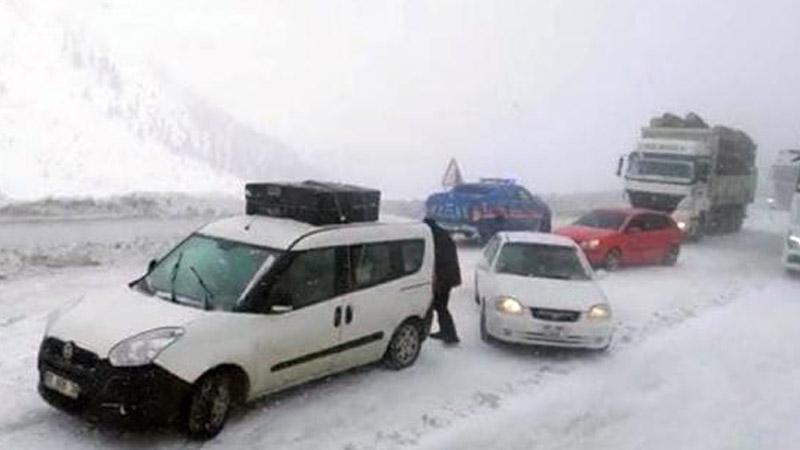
column 75, row 122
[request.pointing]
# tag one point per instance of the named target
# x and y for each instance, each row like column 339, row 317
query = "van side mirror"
column 152, row 265
column 620, row 164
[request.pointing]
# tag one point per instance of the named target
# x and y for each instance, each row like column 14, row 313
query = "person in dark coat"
column 446, row 276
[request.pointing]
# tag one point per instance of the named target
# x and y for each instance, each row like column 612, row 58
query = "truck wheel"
column 404, row 347
column 209, row 405
column 613, row 260
column 671, row 258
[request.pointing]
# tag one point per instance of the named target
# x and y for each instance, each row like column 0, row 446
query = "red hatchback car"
column 615, row 237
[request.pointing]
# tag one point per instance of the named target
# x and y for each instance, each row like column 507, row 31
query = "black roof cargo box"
column 314, row 202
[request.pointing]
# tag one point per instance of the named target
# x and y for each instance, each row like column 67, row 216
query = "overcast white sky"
column 548, row 91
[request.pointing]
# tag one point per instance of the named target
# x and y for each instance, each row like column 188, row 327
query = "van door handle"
column 337, row 317
column 348, row 314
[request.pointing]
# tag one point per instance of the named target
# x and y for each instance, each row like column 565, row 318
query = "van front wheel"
column 404, row 347
column 209, row 405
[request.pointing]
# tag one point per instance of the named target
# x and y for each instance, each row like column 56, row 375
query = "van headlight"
column 793, row 242
column 508, row 305
column 599, row 312
column 143, row 348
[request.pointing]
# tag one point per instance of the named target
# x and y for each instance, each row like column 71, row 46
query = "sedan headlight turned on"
column 509, row 305
column 599, row 312
column 143, row 348
column 592, row 244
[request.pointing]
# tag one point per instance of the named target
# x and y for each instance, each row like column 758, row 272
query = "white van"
column 243, row 307
column 791, row 249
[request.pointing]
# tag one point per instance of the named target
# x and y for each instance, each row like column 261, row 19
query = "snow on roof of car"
column 530, row 237
column 276, row 232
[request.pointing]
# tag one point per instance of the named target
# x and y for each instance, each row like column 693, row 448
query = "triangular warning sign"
column 452, row 176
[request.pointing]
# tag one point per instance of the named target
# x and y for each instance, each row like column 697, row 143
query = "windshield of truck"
column 541, row 261
column 608, row 220
column 205, row 271
column 656, row 167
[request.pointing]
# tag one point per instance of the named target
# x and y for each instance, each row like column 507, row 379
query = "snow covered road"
column 704, row 358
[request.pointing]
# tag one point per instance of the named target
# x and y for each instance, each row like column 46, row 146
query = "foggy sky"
column 547, row 91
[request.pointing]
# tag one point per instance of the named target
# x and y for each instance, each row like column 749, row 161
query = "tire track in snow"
column 485, row 401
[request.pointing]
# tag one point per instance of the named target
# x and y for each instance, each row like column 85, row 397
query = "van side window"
column 380, row 262
column 310, row 278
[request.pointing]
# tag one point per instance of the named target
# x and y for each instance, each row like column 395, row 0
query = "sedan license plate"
column 61, row 385
column 553, row 331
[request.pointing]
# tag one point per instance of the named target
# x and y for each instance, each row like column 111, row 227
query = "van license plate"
column 61, row 385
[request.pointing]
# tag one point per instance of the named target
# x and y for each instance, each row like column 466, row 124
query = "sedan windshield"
column 208, row 272
column 541, row 261
column 607, row 220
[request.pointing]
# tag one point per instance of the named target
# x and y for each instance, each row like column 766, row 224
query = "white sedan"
column 539, row 289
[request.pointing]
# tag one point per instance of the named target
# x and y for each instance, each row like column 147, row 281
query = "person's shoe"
column 451, row 340
column 437, row 335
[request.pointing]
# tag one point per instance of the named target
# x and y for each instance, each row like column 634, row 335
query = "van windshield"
column 204, row 271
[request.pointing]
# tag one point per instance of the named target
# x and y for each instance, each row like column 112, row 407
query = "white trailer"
column 704, row 176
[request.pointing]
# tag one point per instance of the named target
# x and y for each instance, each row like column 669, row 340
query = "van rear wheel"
column 404, row 347
column 209, row 405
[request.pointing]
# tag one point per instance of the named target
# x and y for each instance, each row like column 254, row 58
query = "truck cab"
column 479, row 210
column 704, row 177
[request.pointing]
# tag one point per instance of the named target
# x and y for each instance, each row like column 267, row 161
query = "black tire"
column 613, row 260
column 485, row 336
column 404, row 347
column 671, row 258
column 209, row 405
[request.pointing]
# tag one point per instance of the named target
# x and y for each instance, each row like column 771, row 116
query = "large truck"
column 704, row 176
column 783, row 177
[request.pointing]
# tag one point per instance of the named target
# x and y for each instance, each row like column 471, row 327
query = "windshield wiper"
column 209, row 295
column 173, row 277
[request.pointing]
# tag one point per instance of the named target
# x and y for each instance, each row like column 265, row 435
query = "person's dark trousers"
column 447, row 328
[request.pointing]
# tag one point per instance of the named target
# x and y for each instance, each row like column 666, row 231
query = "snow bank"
column 725, row 380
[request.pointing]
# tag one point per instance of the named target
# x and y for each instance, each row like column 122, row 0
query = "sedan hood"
column 104, row 318
column 580, row 233
column 551, row 293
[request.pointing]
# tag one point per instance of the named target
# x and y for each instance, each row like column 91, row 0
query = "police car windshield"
column 473, row 189
column 208, row 271
column 541, row 261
